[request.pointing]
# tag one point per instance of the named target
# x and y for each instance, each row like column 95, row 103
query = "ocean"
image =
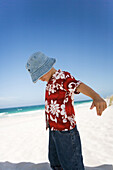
column 4, row 112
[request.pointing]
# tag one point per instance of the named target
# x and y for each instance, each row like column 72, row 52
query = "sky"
column 78, row 33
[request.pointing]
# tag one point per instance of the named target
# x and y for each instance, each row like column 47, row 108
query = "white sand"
column 24, row 140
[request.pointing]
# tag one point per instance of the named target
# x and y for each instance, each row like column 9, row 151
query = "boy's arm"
column 98, row 102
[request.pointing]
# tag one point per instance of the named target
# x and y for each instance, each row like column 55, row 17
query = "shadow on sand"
column 42, row 166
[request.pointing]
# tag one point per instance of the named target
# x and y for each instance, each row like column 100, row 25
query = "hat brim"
column 46, row 67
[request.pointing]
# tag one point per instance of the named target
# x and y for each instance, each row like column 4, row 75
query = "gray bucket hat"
column 39, row 64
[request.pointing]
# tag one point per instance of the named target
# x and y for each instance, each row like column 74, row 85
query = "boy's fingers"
column 105, row 105
column 101, row 109
column 98, row 109
column 92, row 106
column 99, row 113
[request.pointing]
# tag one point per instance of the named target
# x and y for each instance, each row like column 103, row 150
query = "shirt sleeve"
column 71, row 84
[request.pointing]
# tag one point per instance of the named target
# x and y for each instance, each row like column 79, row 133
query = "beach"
column 24, row 139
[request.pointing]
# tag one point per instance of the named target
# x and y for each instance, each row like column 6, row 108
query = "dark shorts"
column 65, row 151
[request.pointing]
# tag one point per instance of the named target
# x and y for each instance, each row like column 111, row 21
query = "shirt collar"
column 54, row 75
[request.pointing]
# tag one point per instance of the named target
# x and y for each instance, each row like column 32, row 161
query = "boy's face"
column 46, row 76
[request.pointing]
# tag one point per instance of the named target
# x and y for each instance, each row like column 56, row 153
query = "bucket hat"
column 39, row 64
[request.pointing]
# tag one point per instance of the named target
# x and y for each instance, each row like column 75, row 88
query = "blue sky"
column 78, row 33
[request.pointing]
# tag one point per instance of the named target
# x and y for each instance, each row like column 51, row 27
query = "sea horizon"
column 20, row 109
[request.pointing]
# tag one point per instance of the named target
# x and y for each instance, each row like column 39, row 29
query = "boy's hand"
column 100, row 105
column 98, row 102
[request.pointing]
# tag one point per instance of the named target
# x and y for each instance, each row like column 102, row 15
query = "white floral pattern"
column 71, row 94
column 46, row 106
column 63, row 112
column 71, row 119
column 56, row 108
column 51, row 88
column 59, row 86
column 59, row 75
column 70, row 86
column 53, row 119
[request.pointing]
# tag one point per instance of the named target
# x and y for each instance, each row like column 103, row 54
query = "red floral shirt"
column 59, row 101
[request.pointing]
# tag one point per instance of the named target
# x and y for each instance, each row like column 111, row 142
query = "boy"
column 65, row 151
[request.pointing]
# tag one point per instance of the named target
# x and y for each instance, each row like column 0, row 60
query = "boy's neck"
column 53, row 70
